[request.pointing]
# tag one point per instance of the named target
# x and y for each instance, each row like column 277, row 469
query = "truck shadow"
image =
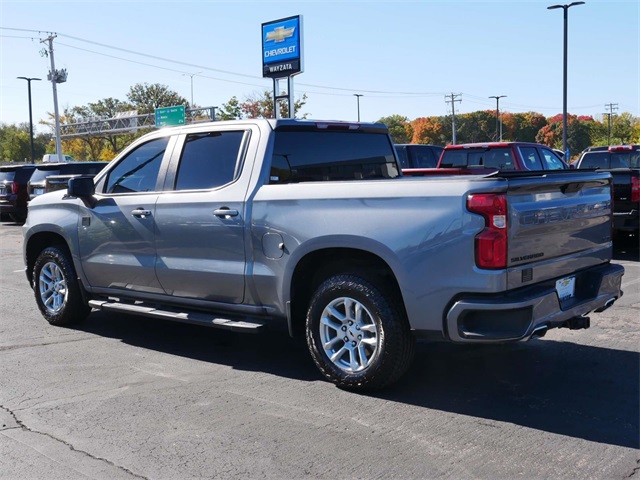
column 559, row 387
column 564, row 388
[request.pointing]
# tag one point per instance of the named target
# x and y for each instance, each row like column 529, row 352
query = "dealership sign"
column 282, row 47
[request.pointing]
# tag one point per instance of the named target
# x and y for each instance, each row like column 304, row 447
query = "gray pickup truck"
column 309, row 225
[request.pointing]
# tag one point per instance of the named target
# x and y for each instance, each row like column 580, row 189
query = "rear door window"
column 551, row 160
column 531, row 158
column 209, row 160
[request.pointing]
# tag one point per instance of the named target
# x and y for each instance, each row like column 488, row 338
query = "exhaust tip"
column 606, row 305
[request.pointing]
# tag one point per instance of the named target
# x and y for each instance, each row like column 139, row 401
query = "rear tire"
column 358, row 334
column 56, row 288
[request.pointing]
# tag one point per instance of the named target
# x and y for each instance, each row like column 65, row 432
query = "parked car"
column 623, row 162
column 309, row 225
column 501, row 156
column 14, row 195
column 55, row 176
column 53, row 158
column 412, row 155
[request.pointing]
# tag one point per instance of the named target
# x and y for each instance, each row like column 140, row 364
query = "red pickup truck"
column 501, row 156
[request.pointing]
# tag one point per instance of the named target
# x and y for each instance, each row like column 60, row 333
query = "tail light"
column 15, row 187
column 490, row 243
column 635, row 189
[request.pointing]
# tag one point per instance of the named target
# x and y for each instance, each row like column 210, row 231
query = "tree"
column 479, row 126
column 522, row 127
column 15, row 144
column 427, row 130
column 399, row 128
column 230, row 110
column 579, row 138
column 146, row 98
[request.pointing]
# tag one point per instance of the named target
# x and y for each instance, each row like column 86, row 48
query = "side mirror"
column 81, row 187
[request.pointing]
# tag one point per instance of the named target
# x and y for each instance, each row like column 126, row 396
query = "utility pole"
column 358, row 95
column 56, row 77
column 498, row 126
column 191, row 75
column 565, row 122
column 611, row 107
column 454, row 99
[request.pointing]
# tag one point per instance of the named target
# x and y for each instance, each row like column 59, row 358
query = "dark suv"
column 13, row 191
column 55, row 176
column 413, row 155
column 623, row 162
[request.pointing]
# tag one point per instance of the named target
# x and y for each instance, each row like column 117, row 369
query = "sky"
column 402, row 56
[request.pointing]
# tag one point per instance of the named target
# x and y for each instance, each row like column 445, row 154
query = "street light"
column 28, row 79
column 564, row 81
column 358, row 95
column 498, row 129
column 191, row 75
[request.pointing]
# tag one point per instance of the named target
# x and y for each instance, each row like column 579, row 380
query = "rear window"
column 425, row 157
column 500, row 158
column 40, row 174
column 625, row 159
column 315, row 156
column 82, row 168
column 7, row 175
column 595, row 160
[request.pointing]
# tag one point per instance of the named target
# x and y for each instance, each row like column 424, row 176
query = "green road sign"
column 168, row 116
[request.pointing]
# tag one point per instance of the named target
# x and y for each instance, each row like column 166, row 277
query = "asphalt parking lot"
column 120, row 397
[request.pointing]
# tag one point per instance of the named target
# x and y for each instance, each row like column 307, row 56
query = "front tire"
column 358, row 334
column 56, row 288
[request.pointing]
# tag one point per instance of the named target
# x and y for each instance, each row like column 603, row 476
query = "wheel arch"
column 316, row 266
column 37, row 243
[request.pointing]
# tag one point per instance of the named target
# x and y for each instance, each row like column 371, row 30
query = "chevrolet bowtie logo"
column 280, row 34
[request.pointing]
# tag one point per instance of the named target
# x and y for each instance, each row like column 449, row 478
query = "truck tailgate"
column 558, row 226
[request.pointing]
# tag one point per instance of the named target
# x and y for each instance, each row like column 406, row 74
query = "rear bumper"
column 8, row 204
column 519, row 314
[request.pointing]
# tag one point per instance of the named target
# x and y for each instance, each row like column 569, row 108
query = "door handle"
column 141, row 213
column 225, row 212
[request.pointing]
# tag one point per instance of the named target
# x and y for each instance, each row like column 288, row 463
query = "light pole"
column 498, row 129
column 28, row 79
column 564, row 79
column 191, row 75
column 358, row 95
